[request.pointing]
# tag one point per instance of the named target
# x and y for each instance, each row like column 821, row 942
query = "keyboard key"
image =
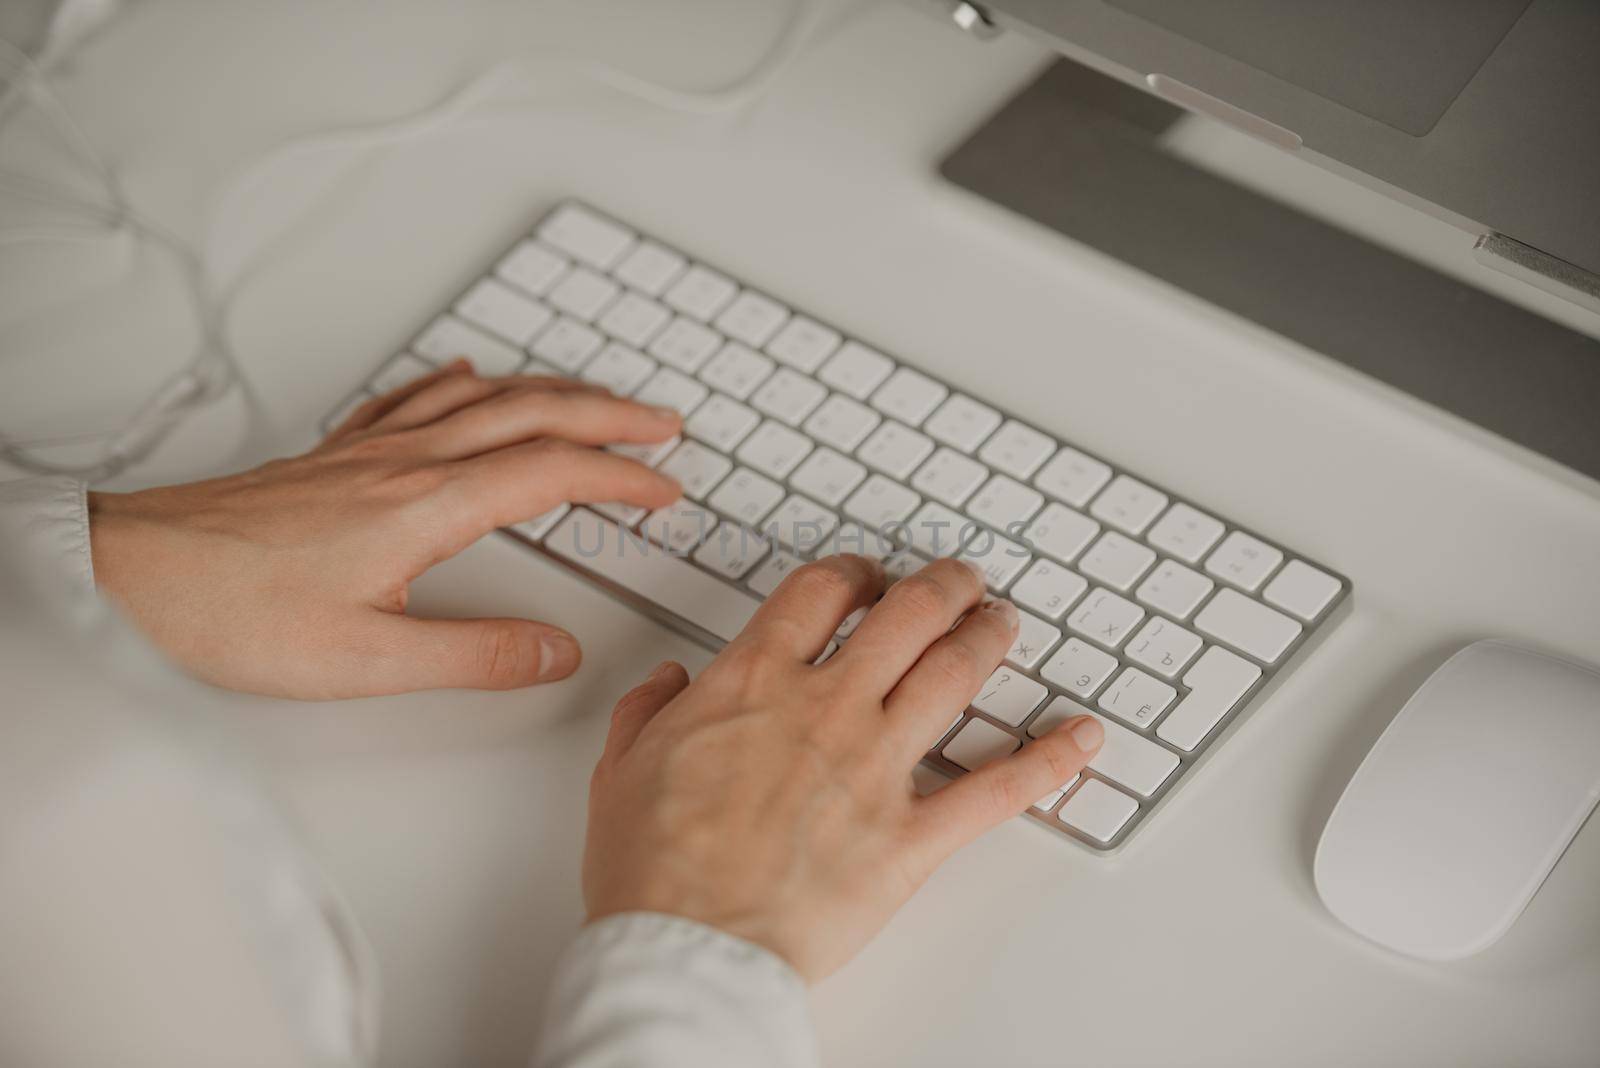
column 587, row 236
column 854, row 538
column 1005, row 504
column 774, row 569
column 1174, row 589
column 650, row 268
column 788, row 396
column 908, row 396
column 1163, row 647
column 1136, row 698
column 532, row 267
column 681, row 527
column 1116, row 560
column 1072, row 478
column 1105, row 618
column 536, row 528
column 696, row 468
column 801, row 524
column 1078, row 668
column 961, row 422
column 1243, row 561
column 894, row 449
column 1049, row 800
column 1048, row 589
column 634, row 320
column 848, row 625
column 842, row 422
column 948, row 476
column 827, row 476
column 448, row 337
column 736, row 370
column 701, row 293
column 774, row 449
column 752, row 318
column 672, row 389
column 685, row 344
column 1098, row 810
column 619, row 369
column 803, row 344
column 400, row 371
column 1035, row 639
column 721, row 422
column 503, row 311
column 881, row 502
column 745, row 496
column 1185, row 532
column 1001, row 558
column 1128, row 504
column 1216, row 683
column 628, row 515
column 1009, row 696
column 567, row 345
column 1247, row 625
column 936, row 531
column 600, row 546
column 1017, row 449
column 583, row 294
column 1301, row 589
column 979, row 742
column 732, row 550
column 1060, row 533
column 1125, row 758
column 856, row 370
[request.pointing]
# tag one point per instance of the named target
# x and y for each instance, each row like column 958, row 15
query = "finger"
column 517, row 415
column 808, row 606
column 915, row 613
column 478, row 654
column 955, row 815
column 640, row 704
column 950, row 674
column 370, row 412
column 517, row 483
column 437, row 400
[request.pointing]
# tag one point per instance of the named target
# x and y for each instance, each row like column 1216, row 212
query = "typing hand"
column 772, row 798
column 292, row 579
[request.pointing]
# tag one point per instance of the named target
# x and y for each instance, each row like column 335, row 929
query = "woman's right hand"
column 772, row 797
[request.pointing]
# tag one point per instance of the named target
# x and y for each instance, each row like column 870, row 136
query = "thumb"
column 475, row 654
column 640, row 704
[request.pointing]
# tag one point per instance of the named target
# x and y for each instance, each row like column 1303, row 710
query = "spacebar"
column 598, row 546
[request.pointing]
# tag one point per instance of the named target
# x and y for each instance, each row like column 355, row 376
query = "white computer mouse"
column 1465, row 803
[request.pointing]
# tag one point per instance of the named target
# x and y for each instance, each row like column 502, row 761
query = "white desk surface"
column 454, row 820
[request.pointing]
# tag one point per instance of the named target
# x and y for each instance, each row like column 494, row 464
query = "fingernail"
column 660, row 669
column 558, row 655
column 1005, row 609
column 1087, row 733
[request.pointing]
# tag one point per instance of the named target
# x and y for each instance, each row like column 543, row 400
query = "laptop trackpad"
column 1400, row 63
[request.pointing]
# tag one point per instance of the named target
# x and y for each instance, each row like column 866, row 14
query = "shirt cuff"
column 644, row 988
column 44, row 524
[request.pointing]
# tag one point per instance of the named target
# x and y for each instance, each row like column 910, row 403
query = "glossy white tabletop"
column 455, row 820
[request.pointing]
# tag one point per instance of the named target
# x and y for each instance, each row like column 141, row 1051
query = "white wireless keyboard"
column 1142, row 608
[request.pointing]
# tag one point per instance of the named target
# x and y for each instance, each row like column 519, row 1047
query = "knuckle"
column 1004, row 792
column 1057, row 759
column 504, row 658
column 822, row 583
column 920, row 594
column 958, row 664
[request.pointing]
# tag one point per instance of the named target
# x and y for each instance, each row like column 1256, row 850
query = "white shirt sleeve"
column 646, row 990
column 44, row 527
